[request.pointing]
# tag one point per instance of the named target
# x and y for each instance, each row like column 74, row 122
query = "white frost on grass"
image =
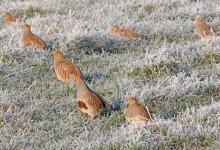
column 38, row 112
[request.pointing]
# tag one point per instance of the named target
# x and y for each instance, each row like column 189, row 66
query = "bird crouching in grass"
column 88, row 101
column 136, row 113
column 64, row 69
column 125, row 33
column 32, row 40
column 203, row 30
column 10, row 20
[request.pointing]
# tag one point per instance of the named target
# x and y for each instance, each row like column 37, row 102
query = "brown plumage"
column 125, row 33
column 32, row 40
column 136, row 113
column 203, row 30
column 10, row 20
column 64, row 69
column 87, row 100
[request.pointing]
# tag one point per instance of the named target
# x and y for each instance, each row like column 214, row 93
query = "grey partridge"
column 32, row 40
column 87, row 100
column 125, row 33
column 136, row 113
column 203, row 30
column 10, row 20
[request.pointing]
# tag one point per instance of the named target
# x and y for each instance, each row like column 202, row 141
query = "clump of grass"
column 109, row 147
column 39, row 67
column 170, row 107
column 146, row 8
column 170, row 38
column 149, row 8
column 121, row 49
column 206, row 59
column 133, row 146
column 132, row 8
column 117, row 118
column 36, row 115
column 86, row 45
column 105, row 93
column 89, row 46
column 5, row 58
column 200, row 141
column 113, row 119
column 2, row 73
column 150, row 72
column 5, row 106
column 30, row 12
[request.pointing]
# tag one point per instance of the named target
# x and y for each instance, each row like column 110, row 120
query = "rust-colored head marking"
column 26, row 28
column 199, row 21
column 57, row 54
column 132, row 101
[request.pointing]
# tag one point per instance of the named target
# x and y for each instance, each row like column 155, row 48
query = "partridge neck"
column 59, row 58
column 27, row 32
column 81, row 84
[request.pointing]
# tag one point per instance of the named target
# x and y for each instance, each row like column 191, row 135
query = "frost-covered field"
column 170, row 71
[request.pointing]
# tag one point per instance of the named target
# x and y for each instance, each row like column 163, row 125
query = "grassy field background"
column 172, row 72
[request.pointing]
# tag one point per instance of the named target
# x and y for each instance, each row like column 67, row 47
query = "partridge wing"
column 68, row 66
column 66, row 69
column 132, row 35
column 95, row 101
column 27, row 40
column 143, row 112
column 38, row 41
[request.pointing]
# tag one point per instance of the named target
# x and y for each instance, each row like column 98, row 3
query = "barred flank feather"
column 64, row 69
